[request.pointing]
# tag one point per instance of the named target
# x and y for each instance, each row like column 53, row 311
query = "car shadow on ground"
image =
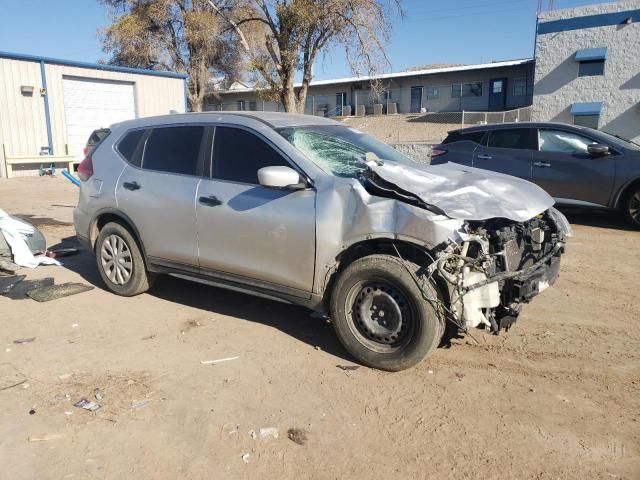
column 290, row 319
column 596, row 218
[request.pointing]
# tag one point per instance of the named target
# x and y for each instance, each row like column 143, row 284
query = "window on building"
column 590, row 121
column 239, row 154
column 388, row 95
column 514, row 138
column 472, row 89
column 496, row 86
column 564, row 142
column 591, row 68
column 519, row 87
column 456, row 90
column 128, row 146
column 433, row 93
column 173, row 150
column 240, row 105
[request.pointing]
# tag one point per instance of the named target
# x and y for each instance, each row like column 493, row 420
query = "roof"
column 94, row 66
column 498, row 126
column 272, row 119
column 412, row 73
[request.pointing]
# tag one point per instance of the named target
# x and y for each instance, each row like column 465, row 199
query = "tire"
column 130, row 277
column 631, row 206
column 379, row 285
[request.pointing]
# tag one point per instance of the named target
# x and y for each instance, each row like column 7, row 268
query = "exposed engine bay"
column 500, row 264
column 495, row 264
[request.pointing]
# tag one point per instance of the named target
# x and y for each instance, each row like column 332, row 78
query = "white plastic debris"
column 268, row 433
column 245, row 458
column 213, row 362
column 14, row 232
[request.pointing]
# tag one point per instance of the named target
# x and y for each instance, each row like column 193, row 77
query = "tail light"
column 436, row 152
column 85, row 169
column 86, row 150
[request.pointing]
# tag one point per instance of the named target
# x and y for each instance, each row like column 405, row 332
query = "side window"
column 563, row 142
column 517, row 138
column 128, row 146
column 239, row 154
column 475, row 137
column 173, row 149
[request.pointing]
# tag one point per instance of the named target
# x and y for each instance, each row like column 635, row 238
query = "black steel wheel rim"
column 381, row 316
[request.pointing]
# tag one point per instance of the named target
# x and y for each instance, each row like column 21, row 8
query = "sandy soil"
column 558, row 396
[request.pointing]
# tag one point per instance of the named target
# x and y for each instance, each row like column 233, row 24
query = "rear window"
column 516, row 138
column 475, row 137
column 128, row 146
column 97, row 136
column 173, row 150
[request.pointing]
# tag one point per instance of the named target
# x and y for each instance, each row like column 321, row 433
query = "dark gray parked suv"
column 577, row 166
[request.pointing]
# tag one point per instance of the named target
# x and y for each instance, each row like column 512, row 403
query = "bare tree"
column 283, row 38
column 184, row 36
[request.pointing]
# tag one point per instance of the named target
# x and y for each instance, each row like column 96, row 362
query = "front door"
column 251, row 233
column 564, row 168
column 497, row 94
column 341, row 102
column 507, row 151
column 416, row 99
column 159, row 195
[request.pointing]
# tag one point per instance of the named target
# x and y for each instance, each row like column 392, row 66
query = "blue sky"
column 434, row 31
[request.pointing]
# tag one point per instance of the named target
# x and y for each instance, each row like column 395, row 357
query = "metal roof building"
column 50, row 106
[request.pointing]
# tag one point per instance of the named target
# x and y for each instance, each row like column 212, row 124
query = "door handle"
column 210, row 201
column 484, row 156
column 131, row 185
column 541, row 164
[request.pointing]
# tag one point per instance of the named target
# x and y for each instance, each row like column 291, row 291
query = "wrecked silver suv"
column 308, row 211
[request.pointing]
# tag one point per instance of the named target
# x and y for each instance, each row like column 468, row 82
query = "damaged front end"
column 497, row 265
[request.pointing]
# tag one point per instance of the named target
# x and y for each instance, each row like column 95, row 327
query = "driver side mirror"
column 281, row 177
column 598, row 150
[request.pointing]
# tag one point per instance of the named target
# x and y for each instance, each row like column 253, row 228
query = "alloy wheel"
column 116, row 259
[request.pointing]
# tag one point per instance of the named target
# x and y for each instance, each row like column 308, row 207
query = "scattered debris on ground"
column 87, row 405
column 221, row 360
column 10, row 376
column 54, row 292
column 62, row 252
column 46, row 437
column 297, row 435
column 24, row 340
column 7, row 283
column 348, row 368
column 268, row 433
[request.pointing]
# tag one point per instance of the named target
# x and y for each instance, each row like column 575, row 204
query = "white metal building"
column 588, row 67
column 50, row 106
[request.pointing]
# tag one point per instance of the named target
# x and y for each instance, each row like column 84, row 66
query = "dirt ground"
column 556, row 397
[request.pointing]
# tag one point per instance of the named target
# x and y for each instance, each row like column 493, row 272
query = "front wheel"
column 632, row 207
column 120, row 261
column 385, row 314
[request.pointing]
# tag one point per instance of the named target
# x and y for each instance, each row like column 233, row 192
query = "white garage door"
column 90, row 104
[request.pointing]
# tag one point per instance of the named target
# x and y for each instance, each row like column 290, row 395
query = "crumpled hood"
column 467, row 193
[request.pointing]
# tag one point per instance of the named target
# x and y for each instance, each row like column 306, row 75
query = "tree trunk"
column 196, row 102
column 288, row 94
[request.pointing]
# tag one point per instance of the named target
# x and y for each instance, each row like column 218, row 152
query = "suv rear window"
column 173, row 150
column 475, row 137
column 515, row 138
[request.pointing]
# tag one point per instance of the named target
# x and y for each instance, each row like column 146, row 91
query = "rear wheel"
column 380, row 313
column 120, row 261
column 632, row 206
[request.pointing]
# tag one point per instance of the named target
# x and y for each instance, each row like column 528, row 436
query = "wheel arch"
column 404, row 248
column 108, row 215
column 624, row 191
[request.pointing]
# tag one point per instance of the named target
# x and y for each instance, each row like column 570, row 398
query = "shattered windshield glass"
column 340, row 150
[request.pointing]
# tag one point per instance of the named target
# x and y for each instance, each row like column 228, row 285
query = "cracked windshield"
column 338, row 150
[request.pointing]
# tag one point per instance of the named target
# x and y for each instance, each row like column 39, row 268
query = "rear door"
column 250, row 233
column 508, row 150
column 157, row 190
column 564, row 168
column 458, row 147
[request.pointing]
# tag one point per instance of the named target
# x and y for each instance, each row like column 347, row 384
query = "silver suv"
column 308, row 211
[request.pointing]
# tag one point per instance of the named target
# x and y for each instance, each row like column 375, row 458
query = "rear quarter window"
column 128, row 147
